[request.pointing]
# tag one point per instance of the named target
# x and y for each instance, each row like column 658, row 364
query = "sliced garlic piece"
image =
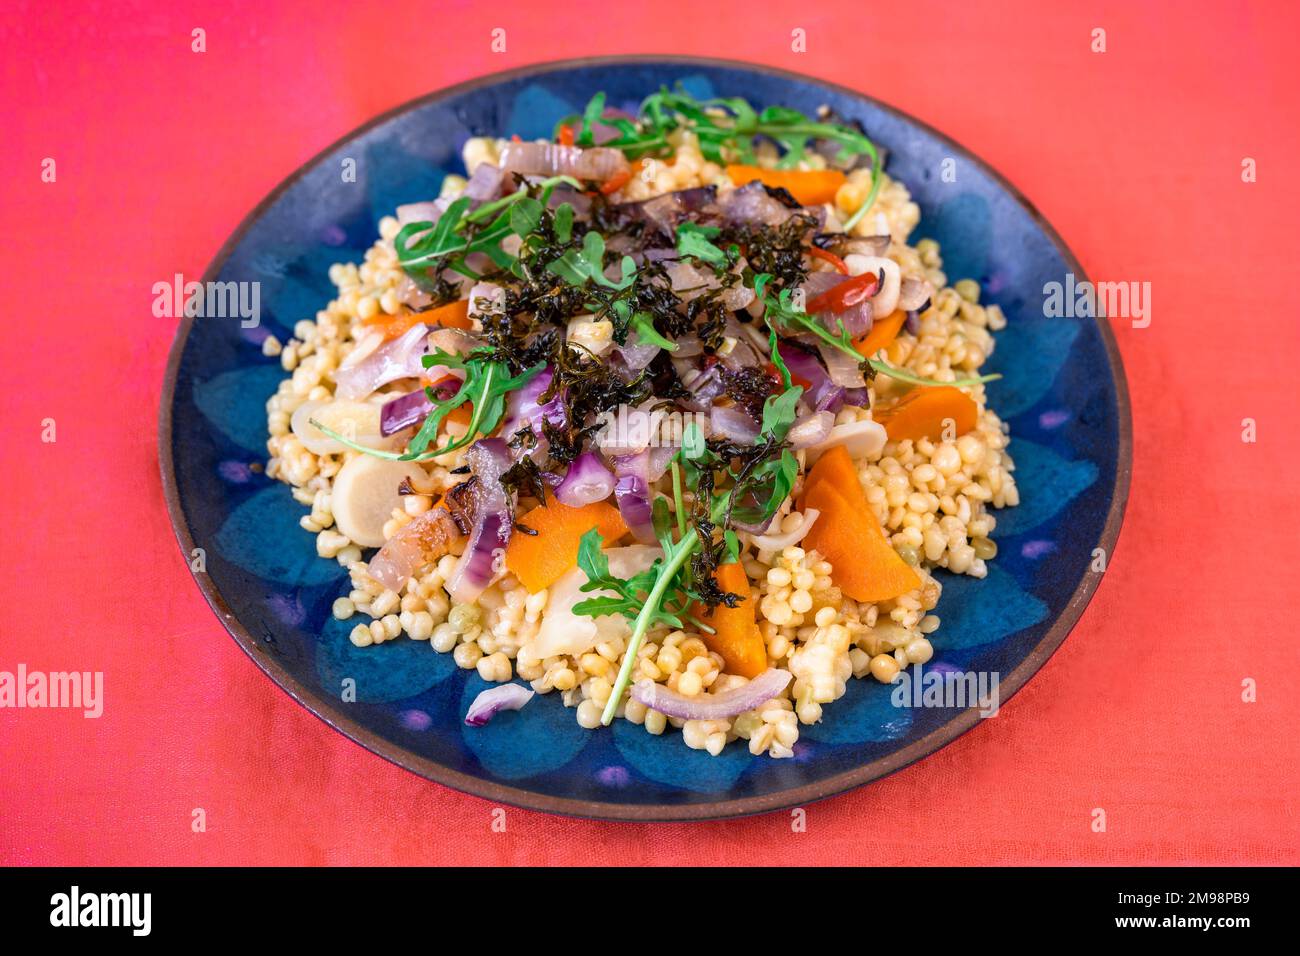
column 365, row 494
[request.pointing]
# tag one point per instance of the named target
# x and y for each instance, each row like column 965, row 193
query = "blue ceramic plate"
column 1063, row 392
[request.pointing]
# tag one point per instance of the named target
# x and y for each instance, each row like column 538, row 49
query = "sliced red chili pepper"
column 795, row 378
column 830, row 257
column 846, row 295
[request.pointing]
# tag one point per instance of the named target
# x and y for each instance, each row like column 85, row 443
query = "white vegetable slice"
column 562, row 631
column 885, row 301
column 356, row 421
column 365, row 494
column 364, row 347
column 861, row 439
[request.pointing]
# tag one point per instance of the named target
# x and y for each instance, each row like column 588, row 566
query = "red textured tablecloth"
column 1135, row 154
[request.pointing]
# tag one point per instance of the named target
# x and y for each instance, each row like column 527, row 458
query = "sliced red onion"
column 779, row 542
column 420, row 541
column 752, row 203
column 602, row 133
column 403, row 412
column 819, row 283
column 492, row 701
column 704, row 384
column 400, row 358
column 666, row 211
column 484, row 298
column 736, row 297
column 552, row 159
column 488, row 458
column 914, row 293
column 581, row 203
column 743, row 354
column 856, row 319
column 845, row 245
column 631, row 429
column 811, row 429
column 636, row 354
column 729, row 703
column 843, row 369
column 429, row 212
column 632, row 492
column 524, row 408
column 754, row 527
column 734, row 423
column 688, row 346
column 686, row 280
column 857, row 397
column 588, row 481
column 658, row 458
column 823, row 394
column 485, row 184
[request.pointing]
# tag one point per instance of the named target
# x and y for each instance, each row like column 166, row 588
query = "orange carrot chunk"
column 811, row 187
column 735, row 631
column 453, row 315
column 883, row 331
column 864, row 565
column 539, row 560
column 936, row 412
column 837, row 467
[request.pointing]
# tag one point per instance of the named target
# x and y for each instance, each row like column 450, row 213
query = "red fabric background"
column 1134, row 154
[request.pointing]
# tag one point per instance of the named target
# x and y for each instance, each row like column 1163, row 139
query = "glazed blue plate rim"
column 333, row 715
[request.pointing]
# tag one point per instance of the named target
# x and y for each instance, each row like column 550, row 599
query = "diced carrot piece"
column 936, row 412
column 539, row 560
column 883, row 331
column 619, row 180
column 735, row 631
column 864, row 565
column 812, row 187
column 835, row 465
column 453, row 315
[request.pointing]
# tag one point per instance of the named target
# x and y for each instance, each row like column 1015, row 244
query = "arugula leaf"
column 459, row 231
column 693, row 240
column 595, row 109
column 580, row 266
column 591, row 558
column 632, row 597
column 564, row 222
column 525, row 216
column 779, row 413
